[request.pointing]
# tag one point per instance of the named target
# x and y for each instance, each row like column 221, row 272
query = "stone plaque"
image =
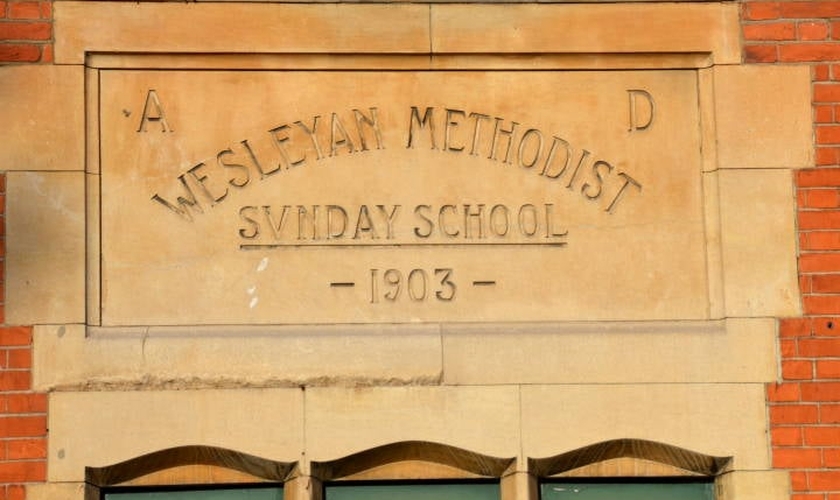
column 291, row 197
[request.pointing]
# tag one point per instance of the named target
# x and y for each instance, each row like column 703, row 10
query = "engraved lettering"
column 442, row 223
column 627, row 182
column 335, row 215
column 498, row 131
column 248, row 214
column 531, row 132
column 593, row 191
column 416, row 283
column 437, row 225
column 447, row 287
column 591, row 177
column 364, row 224
column 185, row 203
column 418, row 211
column 639, row 119
column 373, row 123
column 550, row 158
column 427, row 119
column 583, row 157
column 280, row 136
column 276, row 227
column 451, row 124
column 339, row 136
column 477, row 216
column 390, row 217
column 153, row 112
column 201, row 179
column 528, row 221
column 310, row 132
column 477, row 131
column 307, row 217
column 263, row 173
column 549, row 223
column 393, row 279
column 235, row 181
column 499, row 220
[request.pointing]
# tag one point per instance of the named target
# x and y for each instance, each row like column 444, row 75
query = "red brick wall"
column 25, row 31
column 26, row 36
column 805, row 408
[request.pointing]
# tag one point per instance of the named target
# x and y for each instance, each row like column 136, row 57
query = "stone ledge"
column 733, row 351
column 83, row 27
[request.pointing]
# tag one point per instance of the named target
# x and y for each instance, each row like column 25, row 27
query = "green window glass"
column 627, row 491
column 214, row 494
column 434, row 491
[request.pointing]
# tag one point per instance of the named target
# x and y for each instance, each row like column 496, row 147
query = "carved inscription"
column 416, row 285
column 322, row 197
column 153, row 112
column 273, row 226
column 278, row 225
column 642, row 109
column 533, row 151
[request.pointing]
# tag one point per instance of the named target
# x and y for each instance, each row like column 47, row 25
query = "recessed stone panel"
column 367, row 197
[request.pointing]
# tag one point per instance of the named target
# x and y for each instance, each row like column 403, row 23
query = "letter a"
column 637, row 112
column 153, row 112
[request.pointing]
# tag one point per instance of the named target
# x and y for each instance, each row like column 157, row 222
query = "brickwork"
column 804, row 408
column 26, row 31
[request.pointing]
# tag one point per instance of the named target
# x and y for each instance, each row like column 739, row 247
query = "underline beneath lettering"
column 284, row 246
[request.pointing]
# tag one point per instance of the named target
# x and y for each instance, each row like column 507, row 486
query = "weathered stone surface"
column 763, row 116
column 713, row 419
column 263, row 422
column 43, row 115
column 229, row 357
column 56, row 491
column 254, row 28
column 592, row 29
column 735, row 350
column 758, row 239
column 45, row 260
column 341, row 421
column 272, row 28
column 754, row 485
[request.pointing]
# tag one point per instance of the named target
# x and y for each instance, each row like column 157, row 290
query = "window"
column 261, row 493
column 626, row 490
column 412, row 491
column 190, row 473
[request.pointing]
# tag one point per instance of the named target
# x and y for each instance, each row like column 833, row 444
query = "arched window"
column 628, row 469
column 413, row 470
column 190, row 473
